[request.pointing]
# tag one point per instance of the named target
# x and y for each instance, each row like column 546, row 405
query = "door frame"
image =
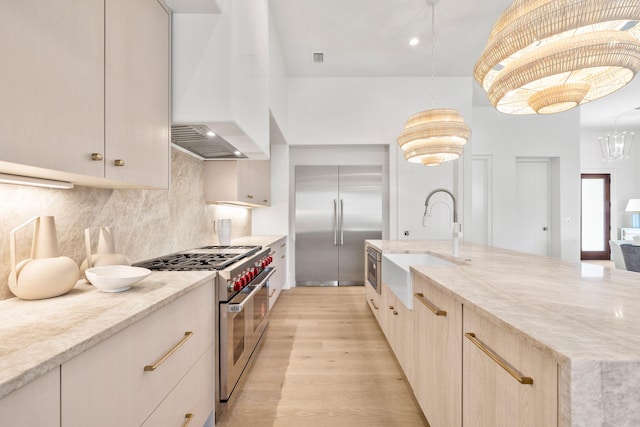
column 606, row 254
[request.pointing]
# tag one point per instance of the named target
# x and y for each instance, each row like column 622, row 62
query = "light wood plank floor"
column 324, row 362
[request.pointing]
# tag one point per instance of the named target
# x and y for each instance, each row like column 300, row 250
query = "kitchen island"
column 46, row 338
column 582, row 317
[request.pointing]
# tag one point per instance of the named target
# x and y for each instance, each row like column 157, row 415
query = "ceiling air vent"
column 195, row 138
column 318, row 57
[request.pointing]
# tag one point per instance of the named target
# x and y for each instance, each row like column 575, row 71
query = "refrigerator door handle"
column 341, row 222
column 335, row 222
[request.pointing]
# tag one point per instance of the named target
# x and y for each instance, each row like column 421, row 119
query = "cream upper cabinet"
column 507, row 381
column 52, row 85
column 438, row 354
column 243, row 182
column 124, row 379
column 277, row 281
column 137, row 92
column 86, row 98
column 35, row 404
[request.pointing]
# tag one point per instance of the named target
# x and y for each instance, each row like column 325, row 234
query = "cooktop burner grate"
column 205, row 258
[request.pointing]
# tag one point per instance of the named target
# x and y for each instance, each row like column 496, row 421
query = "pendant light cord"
column 433, row 54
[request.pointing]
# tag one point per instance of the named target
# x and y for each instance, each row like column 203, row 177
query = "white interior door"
column 532, row 188
column 481, row 226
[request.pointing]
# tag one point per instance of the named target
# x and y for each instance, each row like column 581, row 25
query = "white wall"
column 557, row 136
column 373, row 111
column 277, row 81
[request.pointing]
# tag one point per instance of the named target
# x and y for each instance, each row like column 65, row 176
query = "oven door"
column 374, row 275
column 242, row 322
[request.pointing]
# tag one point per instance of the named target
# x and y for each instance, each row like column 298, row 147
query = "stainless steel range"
column 242, row 298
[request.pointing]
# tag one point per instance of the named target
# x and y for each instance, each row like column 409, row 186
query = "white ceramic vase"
column 105, row 253
column 46, row 274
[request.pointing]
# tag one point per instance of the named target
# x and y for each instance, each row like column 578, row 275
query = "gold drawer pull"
column 97, row 156
column 282, row 257
column 435, row 310
column 265, row 201
column 395, row 313
column 118, row 162
column 500, row 361
column 283, row 245
column 155, row 366
column 272, row 293
column 249, row 196
column 187, row 420
column 373, row 304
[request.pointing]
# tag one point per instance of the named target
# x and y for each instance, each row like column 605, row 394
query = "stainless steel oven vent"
column 200, row 140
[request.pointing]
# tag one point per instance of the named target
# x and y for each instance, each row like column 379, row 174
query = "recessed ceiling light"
column 414, row 41
column 211, row 134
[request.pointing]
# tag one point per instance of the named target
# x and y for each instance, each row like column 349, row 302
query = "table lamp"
column 634, row 206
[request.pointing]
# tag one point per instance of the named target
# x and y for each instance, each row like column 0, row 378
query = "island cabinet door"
column 438, row 354
column 507, row 380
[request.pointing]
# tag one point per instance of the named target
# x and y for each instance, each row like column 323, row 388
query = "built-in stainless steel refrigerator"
column 336, row 209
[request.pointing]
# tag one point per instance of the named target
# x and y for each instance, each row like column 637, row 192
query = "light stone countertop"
column 38, row 336
column 586, row 317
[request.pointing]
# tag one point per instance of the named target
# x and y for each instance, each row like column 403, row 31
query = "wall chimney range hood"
column 198, row 139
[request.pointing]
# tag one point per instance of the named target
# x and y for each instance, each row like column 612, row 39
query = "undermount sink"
column 396, row 274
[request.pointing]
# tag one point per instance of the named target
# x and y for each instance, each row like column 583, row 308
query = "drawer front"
column 373, row 300
column 192, row 399
column 506, row 379
column 35, row 404
column 438, row 354
column 108, row 384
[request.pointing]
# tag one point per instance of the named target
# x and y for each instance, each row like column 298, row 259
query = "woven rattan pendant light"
column 437, row 135
column 548, row 56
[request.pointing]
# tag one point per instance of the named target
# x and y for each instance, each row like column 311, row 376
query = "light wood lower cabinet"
column 373, row 299
column 123, row 379
column 277, row 281
column 35, row 404
column 397, row 325
column 438, row 354
column 506, row 380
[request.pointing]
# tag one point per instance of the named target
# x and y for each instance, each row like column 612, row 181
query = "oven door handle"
column 238, row 307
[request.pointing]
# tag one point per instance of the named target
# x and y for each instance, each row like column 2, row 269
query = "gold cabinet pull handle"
column 282, row 257
column 395, row 313
column 390, row 307
column 187, row 420
column 249, row 196
column 118, row 162
column 373, row 304
column 97, row 157
column 499, row 360
column 155, row 366
column 435, row 310
column 265, row 201
column 272, row 293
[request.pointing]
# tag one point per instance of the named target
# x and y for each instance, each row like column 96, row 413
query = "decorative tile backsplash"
column 146, row 223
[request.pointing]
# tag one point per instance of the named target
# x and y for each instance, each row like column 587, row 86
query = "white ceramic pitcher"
column 46, row 274
column 106, row 251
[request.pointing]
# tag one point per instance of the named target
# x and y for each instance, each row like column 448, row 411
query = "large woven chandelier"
column 437, row 135
column 548, row 56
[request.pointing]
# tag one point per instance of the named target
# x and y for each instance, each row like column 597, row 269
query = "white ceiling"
column 370, row 38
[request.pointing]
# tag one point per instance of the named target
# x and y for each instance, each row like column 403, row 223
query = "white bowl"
column 115, row 278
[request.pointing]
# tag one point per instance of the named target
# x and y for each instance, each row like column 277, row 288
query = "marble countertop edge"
column 25, row 363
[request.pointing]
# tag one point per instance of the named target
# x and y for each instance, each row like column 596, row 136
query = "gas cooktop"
column 205, row 258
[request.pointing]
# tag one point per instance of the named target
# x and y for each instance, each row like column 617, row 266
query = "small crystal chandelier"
column 548, row 56
column 615, row 146
column 437, row 135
